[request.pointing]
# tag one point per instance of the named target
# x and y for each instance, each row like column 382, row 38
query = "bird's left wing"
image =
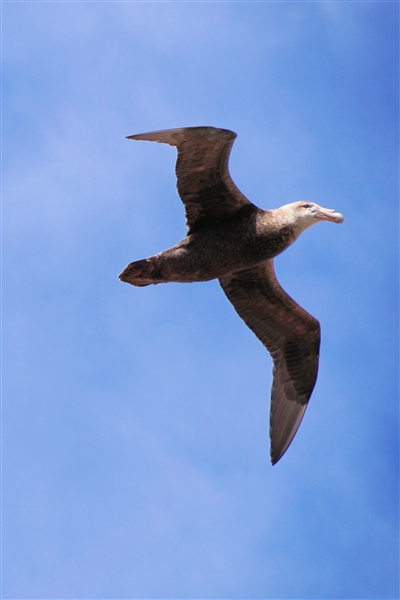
column 292, row 337
column 203, row 181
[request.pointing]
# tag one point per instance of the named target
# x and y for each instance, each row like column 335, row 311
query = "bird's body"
column 229, row 238
column 239, row 242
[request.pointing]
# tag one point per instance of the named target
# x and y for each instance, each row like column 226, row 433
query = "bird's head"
column 303, row 214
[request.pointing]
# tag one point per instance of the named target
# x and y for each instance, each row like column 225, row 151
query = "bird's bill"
column 328, row 214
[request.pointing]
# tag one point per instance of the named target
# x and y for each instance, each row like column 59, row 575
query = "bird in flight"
column 234, row 241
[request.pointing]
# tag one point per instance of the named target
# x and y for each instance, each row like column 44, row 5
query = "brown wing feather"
column 292, row 337
column 203, row 181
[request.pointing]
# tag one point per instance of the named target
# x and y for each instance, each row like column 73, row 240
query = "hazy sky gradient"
column 135, row 421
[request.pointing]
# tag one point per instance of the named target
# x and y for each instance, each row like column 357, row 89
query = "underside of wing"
column 292, row 337
column 203, row 181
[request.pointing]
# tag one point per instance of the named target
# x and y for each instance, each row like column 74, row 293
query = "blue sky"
column 135, row 421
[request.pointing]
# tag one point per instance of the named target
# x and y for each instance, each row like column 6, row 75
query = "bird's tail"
column 141, row 273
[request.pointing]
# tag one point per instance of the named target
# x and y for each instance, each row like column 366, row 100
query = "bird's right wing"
column 203, row 181
column 292, row 337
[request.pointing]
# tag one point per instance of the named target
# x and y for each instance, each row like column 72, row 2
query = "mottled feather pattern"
column 292, row 337
column 231, row 239
column 203, row 181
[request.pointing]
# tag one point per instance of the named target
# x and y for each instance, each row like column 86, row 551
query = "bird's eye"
column 306, row 205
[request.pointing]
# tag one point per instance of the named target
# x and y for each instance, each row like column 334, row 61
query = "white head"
column 303, row 214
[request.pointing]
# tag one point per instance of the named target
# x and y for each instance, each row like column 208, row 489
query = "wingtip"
column 174, row 136
column 275, row 459
column 146, row 137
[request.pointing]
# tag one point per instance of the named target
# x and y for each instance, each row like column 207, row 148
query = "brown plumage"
column 229, row 238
